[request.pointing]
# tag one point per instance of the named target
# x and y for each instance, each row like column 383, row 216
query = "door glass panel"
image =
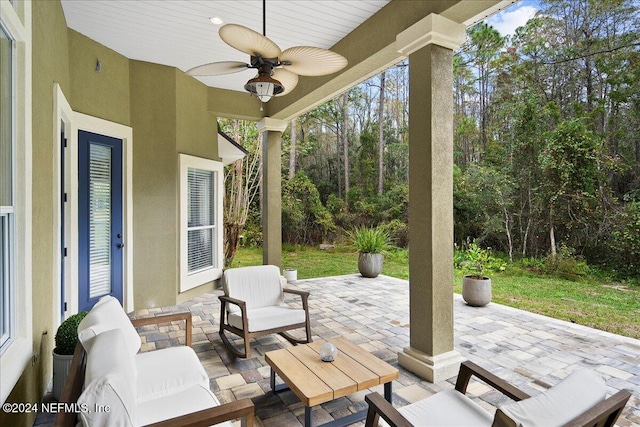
column 99, row 220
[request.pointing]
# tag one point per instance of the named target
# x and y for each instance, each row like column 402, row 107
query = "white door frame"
column 73, row 123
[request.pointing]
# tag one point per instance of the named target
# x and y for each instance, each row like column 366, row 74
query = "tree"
column 242, row 181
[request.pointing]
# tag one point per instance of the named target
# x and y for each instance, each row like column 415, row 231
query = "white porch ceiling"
column 178, row 33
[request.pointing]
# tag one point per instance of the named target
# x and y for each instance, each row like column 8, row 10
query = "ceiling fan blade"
column 288, row 79
column 312, row 61
column 218, row 68
column 248, row 41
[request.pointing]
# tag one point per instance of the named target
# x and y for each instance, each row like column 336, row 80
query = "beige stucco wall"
column 153, row 113
column 103, row 94
column 50, row 64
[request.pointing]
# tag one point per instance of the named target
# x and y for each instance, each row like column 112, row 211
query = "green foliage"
column 475, row 261
column 626, row 240
column 566, row 264
column 304, row 219
column 371, row 240
column 67, row 335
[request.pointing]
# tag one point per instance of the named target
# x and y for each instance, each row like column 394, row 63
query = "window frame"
column 201, row 276
column 7, row 213
column 17, row 352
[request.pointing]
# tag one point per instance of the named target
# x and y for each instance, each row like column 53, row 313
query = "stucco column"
column 271, row 132
column 429, row 44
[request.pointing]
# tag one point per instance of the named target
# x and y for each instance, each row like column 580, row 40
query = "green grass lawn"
column 592, row 302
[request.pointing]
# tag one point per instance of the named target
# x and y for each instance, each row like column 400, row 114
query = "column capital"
column 269, row 124
column 432, row 29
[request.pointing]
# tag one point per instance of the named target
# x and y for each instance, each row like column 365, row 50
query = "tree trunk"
column 232, row 233
column 507, row 228
column 381, row 133
column 552, row 236
column 345, row 145
column 292, row 149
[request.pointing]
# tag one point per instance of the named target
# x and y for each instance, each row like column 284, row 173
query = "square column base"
column 432, row 368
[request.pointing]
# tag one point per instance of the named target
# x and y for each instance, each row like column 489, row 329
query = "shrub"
column 67, row 335
column 475, row 261
column 370, row 240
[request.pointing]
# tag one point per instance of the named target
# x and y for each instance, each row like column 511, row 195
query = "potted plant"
column 65, row 344
column 371, row 244
column 476, row 286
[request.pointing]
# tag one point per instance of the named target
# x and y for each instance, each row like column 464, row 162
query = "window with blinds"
column 200, row 221
column 7, row 247
column 201, row 225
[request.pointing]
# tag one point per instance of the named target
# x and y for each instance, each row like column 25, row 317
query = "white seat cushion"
column 190, row 400
column 444, row 409
column 106, row 315
column 168, row 371
column 264, row 318
column 258, row 286
column 110, row 381
column 560, row 404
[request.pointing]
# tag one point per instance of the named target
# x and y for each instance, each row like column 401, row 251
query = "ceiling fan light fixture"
column 264, row 87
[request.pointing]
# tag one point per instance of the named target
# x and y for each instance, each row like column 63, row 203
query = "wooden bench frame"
column 604, row 414
column 246, row 335
column 75, row 381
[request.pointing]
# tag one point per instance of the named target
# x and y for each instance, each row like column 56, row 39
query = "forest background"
column 546, row 147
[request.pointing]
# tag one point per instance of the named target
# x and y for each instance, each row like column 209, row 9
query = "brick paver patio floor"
column 528, row 350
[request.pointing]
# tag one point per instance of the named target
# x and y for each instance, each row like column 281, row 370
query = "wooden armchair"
column 189, row 405
column 557, row 406
column 253, row 306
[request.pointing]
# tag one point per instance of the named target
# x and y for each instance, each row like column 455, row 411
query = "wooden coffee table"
column 316, row 382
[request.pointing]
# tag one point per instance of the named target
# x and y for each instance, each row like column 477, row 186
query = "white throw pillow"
column 560, row 404
column 106, row 315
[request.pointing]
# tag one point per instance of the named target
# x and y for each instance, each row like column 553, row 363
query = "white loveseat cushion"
column 106, row 315
column 264, row 318
column 258, row 286
column 168, row 371
column 190, row 400
column 560, row 404
column 444, row 409
column 109, row 382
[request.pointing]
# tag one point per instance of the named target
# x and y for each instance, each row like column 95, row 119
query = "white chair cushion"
column 264, row 318
column 106, row 315
column 560, row 404
column 168, row 371
column 190, row 400
column 109, row 380
column 258, row 286
column 112, row 393
column 444, row 409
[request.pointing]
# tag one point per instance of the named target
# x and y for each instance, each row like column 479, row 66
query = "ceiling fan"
column 278, row 70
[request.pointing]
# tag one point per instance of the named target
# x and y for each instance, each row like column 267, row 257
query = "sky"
column 513, row 17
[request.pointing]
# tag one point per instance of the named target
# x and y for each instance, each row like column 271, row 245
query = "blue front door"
column 100, row 206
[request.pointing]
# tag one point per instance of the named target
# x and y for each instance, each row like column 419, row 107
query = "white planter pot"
column 476, row 292
column 291, row 274
column 370, row 265
column 61, row 367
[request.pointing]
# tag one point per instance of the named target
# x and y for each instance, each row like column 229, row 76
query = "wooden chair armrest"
column 379, row 407
column 604, row 413
column 235, row 301
column 166, row 318
column 469, row 369
column 72, row 387
column 207, row 417
column 303, row 294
